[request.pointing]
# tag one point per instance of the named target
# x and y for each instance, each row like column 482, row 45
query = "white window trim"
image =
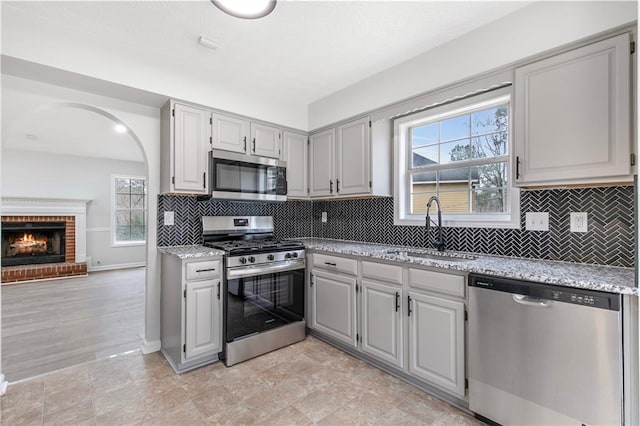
column 115, row 243
column 402, row 158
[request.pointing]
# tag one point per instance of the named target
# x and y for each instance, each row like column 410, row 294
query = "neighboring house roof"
column 445, row 175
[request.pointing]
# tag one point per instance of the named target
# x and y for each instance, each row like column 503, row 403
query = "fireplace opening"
column 27, row 243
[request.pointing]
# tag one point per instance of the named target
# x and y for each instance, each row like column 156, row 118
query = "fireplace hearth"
column 30, row 243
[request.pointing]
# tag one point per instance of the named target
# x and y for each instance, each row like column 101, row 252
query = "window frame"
column 403, row 161
column 114, row 242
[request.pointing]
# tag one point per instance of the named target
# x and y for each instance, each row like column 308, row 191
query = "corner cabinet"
column 342, row 159
column 573, row 117
column 191, row 311
column 186, row 136
column 296, row 154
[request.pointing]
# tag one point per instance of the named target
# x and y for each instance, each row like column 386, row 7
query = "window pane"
column 423, row 178
column 137, row 217
column 491, row 201
column 454, row 179
column 123, row 201
column 122, row 186
column 454, row 202
column 137, row 186
column 137, row 233
column 123, row 233
column 490, row 120
column 455, row 151
column 492, row 145
column 137, row 201
column 424, row 135
column 123, row 218
column 425, row 156
column 419, row 199
column 490, row 176
column 455, row 128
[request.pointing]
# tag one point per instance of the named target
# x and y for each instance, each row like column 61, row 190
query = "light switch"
column 324, row 217
column 579, row 222
column 169, row 219
column 537, row 221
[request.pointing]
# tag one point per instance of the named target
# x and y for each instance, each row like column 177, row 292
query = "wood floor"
column 50, row 325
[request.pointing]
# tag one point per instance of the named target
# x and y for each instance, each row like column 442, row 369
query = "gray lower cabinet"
column 334, row 306
column 436, row 341
column 382, row 334
column 191, row 311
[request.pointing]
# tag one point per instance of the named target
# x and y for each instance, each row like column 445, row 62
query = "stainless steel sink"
column 446, row 257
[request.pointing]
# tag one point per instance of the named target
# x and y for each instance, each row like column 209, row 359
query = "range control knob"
column 270, row 257
column 242, row 260
column 294, row 255
column 252, row 259
column 287, row 256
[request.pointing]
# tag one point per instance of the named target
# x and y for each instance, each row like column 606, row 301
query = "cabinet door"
column 321, row 172
column 382, row 321
column 572, row 116
column 190, row 149
column 334, row 306
column 436, row 341
column 295, row 153
column 265, row 140
column 353, row 158
column 230, row 133
column 203, row 318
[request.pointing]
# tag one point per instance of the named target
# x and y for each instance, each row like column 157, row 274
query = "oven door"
column 262, row 298
column 232, row 176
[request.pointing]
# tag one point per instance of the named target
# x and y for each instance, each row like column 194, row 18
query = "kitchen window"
column 128, row 210
column 459, row 152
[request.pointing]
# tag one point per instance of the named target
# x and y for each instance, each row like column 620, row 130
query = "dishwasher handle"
column 531, row 301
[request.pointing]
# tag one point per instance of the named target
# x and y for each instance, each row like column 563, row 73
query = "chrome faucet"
column 440, row 243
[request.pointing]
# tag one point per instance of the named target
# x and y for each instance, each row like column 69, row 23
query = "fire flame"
column 29, row 241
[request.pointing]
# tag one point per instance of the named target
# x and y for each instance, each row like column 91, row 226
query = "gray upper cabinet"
column 186, row 133
column 265, row 140
column 321, row 165
column 295, row 153
column 353, row 158
column 229, row 133
column 573, row 118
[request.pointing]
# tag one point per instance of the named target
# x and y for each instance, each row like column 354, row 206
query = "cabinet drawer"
column 334, row 263
column 438, row 282
column 382, row 272
column 202, row 270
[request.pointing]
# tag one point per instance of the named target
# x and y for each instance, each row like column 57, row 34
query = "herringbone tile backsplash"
column 610, row 239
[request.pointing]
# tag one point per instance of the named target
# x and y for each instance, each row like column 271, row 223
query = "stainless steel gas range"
column 264, row 285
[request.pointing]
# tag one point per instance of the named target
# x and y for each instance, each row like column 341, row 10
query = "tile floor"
column 306, row 383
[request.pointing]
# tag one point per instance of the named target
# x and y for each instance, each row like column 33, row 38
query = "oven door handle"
column 252, row 271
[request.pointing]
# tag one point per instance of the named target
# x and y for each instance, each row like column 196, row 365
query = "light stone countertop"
column 191, row 252
column 579, row 275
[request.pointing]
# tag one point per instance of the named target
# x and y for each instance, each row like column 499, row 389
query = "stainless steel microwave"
column 247, row 177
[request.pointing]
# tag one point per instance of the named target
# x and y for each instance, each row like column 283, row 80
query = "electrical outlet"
column 537, row 221
column 169, row 219
column 579, row 222
column 324, row 217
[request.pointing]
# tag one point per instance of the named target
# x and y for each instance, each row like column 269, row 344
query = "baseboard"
column 3, row 385
column 149, row 347
column 116, row 266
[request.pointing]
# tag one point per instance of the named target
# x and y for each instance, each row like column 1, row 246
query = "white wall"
column 528, row 31
column 46, row 175
column 21, row 97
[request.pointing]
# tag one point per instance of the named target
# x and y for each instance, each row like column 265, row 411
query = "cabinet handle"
column 337, row 185
column 330, row 263
column 397, row 301
column 205, row 270
column 254, row 144
column 408, row 305
column 218, row 291
column 330, row 186
column 204, row 179
column 311, row 281
column 245, row 143
column 517, row 167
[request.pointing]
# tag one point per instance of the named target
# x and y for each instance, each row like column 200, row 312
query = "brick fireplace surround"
column 12, row 274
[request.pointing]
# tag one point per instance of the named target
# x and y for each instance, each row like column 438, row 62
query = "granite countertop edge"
column 611, row 279
column 190, row 251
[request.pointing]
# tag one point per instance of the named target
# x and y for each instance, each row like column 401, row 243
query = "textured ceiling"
column 302, row 52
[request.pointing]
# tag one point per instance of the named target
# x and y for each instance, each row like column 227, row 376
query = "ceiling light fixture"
column 120, row 128
column 246, row 9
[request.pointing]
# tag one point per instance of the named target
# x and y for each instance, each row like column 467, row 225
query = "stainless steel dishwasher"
column 542, row 355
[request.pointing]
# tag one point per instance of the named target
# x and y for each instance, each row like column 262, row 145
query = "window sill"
column 129, row 244
column 506, row 223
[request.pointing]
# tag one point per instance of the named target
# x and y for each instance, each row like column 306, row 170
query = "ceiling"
column 302, row 52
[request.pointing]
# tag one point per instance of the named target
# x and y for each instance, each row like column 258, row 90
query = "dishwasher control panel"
column 542, row 291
